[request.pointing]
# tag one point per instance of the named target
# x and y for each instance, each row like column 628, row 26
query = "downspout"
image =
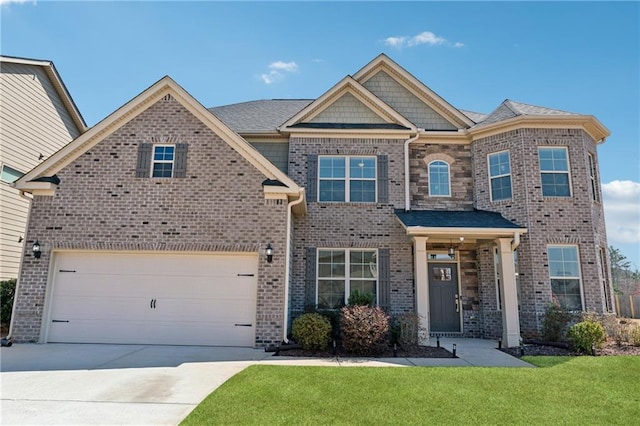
column 407, row 193
column 287, row 273
column 516, row 241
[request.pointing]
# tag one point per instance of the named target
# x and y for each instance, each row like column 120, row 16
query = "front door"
column 443, row 298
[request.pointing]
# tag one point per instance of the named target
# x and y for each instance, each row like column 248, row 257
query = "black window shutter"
column 312, row 178
column 180, row 170
column 310, row 278
column 144, row 160
column 384, row 278
column 383, row 178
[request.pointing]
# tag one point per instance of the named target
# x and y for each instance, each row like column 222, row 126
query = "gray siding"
column 276, row 152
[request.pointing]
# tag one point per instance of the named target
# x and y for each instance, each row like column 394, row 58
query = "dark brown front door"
column 443, row 298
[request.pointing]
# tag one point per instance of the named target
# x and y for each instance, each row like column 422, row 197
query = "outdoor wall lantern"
column 36, row 250
column 452, row 251
column 269, row 252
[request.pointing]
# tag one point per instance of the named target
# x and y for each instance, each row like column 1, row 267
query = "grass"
column 566, row 390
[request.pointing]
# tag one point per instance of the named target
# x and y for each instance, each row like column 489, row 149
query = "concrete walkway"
column 83, row 384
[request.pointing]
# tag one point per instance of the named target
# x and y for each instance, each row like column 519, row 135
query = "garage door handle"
column 60, row 321
column 246, row 275
column 244, row 325
column 152, row 304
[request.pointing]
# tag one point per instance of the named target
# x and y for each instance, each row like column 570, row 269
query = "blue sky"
column 577, row 56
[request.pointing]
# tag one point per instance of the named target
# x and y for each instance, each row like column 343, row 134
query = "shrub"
column 364, row 329
column 554, row 323
column 585, row 335
column 406, row 329
column 311, row 331
column 7, row 291
column 634, row 336
column 358, row 298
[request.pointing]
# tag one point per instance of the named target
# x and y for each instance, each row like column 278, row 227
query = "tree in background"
column 625, row 280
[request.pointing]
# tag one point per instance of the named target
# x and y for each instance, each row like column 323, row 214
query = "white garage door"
column 169, row 299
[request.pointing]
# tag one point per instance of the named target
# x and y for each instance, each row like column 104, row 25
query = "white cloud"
column 621, row 200
column 277, row 70
column 425, row 37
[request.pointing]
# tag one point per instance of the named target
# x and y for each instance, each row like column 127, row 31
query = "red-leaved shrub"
column 364, row 329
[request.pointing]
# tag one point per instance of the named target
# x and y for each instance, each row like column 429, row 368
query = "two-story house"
column 37, row 118
column 171, row 223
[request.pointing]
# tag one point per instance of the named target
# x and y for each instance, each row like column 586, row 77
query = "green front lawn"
column 567, row 390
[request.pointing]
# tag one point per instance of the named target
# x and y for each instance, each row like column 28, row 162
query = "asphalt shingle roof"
column 259, row 116
column 509, row 109
column 454, row 219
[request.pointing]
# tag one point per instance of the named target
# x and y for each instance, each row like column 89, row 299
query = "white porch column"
column 510, row 317
column 422, row 287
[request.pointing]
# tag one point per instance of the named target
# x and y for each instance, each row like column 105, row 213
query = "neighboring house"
column 37, row 118
column 155, row 224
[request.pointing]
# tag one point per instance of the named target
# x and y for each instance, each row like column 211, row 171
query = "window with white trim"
column 9, row 174
column 163, row 161
column 595, row 193
column 554, row 171
column 564, row 274
column 341, row 272
column 439, row 181
column 500, row 176
column 347, row 179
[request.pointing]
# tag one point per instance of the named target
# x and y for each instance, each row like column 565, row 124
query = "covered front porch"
column 449, row 248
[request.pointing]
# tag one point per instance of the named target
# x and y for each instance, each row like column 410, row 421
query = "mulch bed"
column 386, row 352
column 609, row 348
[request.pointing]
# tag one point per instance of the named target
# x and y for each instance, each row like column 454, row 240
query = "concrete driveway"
column 112, row 384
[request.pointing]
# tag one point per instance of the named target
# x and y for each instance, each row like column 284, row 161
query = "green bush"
column 554, row 323
column 7, row 291
column 358, row 298
column 634, row 335
column 364, row 329
column 585, row 335
column 312, row 331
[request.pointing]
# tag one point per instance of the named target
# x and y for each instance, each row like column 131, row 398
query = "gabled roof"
column 57, row 83
column 262, row 116
column 428, row 96
column 509, row 109
column 361, row 93
column 166, row 86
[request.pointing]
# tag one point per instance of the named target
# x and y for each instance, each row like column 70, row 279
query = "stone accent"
column 100, row 205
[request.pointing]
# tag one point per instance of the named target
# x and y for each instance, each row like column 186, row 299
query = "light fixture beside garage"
column 269, row 253
column 36, row 250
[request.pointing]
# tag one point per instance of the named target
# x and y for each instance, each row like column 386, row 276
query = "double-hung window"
column 595, row 194
column 163, row 159
column 439, row 182
column 500, row 176
column 564, row 273
column 554, row 171
column 347, row 179
column 343, row 271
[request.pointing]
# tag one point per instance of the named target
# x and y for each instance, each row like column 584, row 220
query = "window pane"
column 363, row 264
column 499, row 164
column 331, row 263
column 362, row 167
column 567, row 293
column 163, row 153
column 439, row 178
column 362, row 191
column 10, row 175
column 332, row 167
column 363, row 286
column 162, row 169
column 553, row 159
column 331, row 293
column 555, row 185
column 331, row 190
column 501, row 188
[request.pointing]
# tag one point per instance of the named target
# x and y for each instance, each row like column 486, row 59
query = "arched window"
column 439, row 183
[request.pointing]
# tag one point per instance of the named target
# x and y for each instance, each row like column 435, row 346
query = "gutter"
column 407, row 193
column 287, row 273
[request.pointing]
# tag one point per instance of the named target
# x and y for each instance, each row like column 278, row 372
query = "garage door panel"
column 154, row 299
